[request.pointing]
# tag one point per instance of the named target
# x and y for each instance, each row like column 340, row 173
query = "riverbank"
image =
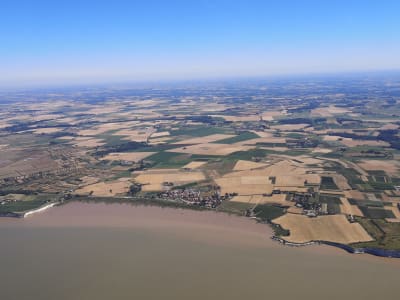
column 177, row 205
column 27, row 213
column 347, row 248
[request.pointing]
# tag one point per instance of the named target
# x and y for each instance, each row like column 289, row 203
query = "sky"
column 98, row 41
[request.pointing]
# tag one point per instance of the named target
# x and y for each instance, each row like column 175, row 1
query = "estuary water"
column 119, row 251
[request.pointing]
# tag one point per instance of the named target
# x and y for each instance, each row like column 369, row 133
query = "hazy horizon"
column 95, row 42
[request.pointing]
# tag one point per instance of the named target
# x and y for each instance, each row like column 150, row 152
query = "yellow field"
column 152, row 180
column 297, row 180
column 244, row 185
column 341, row 182
column 128, row 156
column 331, row 138
column 106, row 127
column 329, row 111
column 348, row 209
column 104, row 189
column 335, row 228
column 391, row 167
column 353, row 143
column 289, row 176
column 260, row 199
column 47, row 130
column 194, row 164
column 269, row 115
column 247, row 165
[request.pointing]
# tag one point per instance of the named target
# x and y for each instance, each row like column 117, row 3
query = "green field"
column 333, row 203
column 386, row 235
column 169, row 160
column 21, row 206
column 268, row 212
column 239, row 138
column 327, row 183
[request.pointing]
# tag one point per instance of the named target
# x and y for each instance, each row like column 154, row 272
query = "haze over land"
column 44, row 42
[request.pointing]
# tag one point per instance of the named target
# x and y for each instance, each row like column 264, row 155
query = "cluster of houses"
column 310, row 208
column 194, row 197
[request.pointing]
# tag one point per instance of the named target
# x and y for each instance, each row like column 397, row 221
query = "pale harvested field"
column 88, row 143
column 389, row 127
column 104, row 189
column 47, row 130
column 211, row 149
column 391, row 167
column 270, row 115
column 66, row 137
column 128, row 156
column 329, row 111
column 321, row 150
column 212, row 107
column 290, row 127
column 276, row 149
column 348, row 209
column 205, row 139
column 353, row 143
column 289, row 177
column 340, row 181
column 297, row 180
column 260, row 199
column 247, row 165
column 45, row 117
column 106, row 127
column 69, row 120
column 136, row 135
column 160, row 134
column 264, row 134
column 247, row 118
column 244, row 185
column 194, row 164
column 160, row 140
column 335, row 228
column 331, row 138
column 152, row 180
column 274, row 199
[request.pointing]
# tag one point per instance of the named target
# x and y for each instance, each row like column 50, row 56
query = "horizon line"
column 97, row 82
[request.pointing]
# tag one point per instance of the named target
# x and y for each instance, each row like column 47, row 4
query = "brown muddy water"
column 99, row 251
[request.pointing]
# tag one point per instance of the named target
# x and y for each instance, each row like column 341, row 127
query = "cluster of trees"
column 128, row 146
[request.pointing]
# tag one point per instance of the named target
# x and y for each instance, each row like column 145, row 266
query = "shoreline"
column 384, row 253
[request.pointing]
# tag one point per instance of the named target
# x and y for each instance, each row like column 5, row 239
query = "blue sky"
column 67, row 41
